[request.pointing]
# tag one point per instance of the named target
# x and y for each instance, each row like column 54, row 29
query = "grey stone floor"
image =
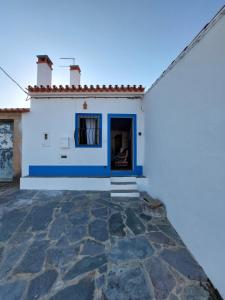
column 84, row 245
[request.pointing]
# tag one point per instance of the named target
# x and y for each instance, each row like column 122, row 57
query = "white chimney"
column 74, row 75
column 44, row 70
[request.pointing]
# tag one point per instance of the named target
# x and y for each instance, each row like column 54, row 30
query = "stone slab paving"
column 85, row 245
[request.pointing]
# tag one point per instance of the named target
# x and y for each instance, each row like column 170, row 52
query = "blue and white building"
column 78, row 137
column 171, row 139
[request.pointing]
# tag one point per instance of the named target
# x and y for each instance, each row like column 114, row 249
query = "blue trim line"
column 58, row 171
column 77, row 115
column 79, row 171
column 137, row 171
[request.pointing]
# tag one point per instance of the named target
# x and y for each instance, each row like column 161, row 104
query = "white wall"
column 74, row 77
column 66, row 183
column 57, row 118
column 44, row 74
column 185, row 149
column 72, row 183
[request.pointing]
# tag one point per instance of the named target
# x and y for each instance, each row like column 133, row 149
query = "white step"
column 127, row 194
column 123, row 179
column 123, row 186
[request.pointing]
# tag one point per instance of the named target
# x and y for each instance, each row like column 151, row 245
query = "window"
column 88, row 132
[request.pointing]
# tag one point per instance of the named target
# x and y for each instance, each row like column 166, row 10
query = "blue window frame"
column 88, row 130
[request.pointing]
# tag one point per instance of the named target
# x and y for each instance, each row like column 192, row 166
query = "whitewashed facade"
column 56, row 117
column 179, row 140
column 185, row 146
column 51, row 129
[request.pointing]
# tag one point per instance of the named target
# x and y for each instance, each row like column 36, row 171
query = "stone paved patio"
column 84, row 245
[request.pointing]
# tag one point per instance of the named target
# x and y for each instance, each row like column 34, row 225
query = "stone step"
column 122, row 183
column 125, row 193
column 123, row 179
column 124, row 186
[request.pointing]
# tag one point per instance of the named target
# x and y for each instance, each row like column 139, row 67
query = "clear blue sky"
column 114, row 41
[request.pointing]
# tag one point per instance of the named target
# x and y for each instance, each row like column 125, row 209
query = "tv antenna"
column 68, row 58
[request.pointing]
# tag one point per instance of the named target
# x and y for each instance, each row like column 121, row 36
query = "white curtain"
column 91, row 131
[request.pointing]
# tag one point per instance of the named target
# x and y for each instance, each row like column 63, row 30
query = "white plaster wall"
column 74, row 77
column 185, row 150
column 57, row 118
column 65, row 183
column 44, row 74
column 72, row 183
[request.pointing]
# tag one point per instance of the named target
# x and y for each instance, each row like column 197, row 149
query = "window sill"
column 88, row 146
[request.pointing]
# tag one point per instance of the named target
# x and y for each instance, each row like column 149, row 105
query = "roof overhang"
column 14, row 110
column 86, row 91
column 85, row 95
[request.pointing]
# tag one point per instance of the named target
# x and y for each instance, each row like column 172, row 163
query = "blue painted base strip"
column 80, row 171
column 138, row 171
column 58, row 171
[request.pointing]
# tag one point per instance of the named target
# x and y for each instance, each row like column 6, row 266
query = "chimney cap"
column 44, row 59
column 75, row 68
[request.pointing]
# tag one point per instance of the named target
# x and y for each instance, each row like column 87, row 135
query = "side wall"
column 185, row 149
column 57, row 118
column 17, row 140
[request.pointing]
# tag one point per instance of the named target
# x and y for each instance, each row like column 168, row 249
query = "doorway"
column 121, row 143
column 6, row 150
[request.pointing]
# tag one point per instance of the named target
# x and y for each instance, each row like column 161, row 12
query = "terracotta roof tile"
column 86, row 89
column 75, row 68
column 14, row 110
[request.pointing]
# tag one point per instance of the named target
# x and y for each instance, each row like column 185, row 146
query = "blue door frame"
column 136, row 170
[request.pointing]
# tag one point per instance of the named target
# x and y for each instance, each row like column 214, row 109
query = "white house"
column 169, row 140
column 78, row 131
